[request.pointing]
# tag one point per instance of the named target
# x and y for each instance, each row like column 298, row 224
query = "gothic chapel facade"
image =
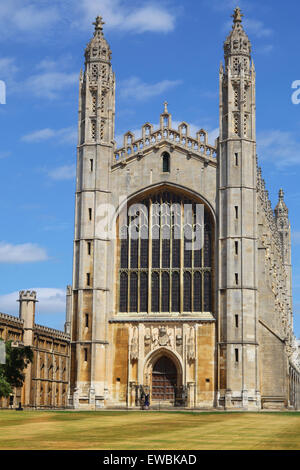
column 203, row 327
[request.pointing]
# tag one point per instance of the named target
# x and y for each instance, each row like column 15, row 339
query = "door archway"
column 164, row 380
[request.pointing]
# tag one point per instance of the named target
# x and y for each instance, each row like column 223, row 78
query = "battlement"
column 179, row 137
column 44, row 330
column 27, row 295
column 11, row 318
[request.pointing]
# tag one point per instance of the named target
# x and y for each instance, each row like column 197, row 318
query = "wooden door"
column 164, row 380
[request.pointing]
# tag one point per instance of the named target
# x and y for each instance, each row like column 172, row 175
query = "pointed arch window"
column 159, row 267
column 166, row 162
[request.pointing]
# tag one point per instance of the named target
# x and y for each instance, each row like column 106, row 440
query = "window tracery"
column 157, row 273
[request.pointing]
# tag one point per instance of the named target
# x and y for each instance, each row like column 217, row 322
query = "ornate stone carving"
column 191, row 352
column 179, row 339
column 164, row 339
column 134, row 347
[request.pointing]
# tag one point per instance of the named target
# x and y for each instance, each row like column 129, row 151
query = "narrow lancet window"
column 166, row 163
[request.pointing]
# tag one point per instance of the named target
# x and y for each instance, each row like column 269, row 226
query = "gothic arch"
column 153, row 356
column 166, row 186
column 148, row 268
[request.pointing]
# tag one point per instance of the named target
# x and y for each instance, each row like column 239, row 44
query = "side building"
column 47, row 378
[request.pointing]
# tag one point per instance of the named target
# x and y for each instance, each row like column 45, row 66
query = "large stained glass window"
column 162, row 267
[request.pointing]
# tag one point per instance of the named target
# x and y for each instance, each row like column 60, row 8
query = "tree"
column 12, row 372
column 5, row 388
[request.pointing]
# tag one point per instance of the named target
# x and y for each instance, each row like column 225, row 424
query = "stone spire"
column 237, row 43
column 98, row 48
column 281, row 209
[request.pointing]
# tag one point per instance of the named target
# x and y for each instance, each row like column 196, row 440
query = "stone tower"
column 238, row 347
column 27, row 301
column 284, row 229
column 95, row 149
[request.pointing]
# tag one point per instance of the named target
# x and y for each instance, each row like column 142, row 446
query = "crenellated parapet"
column 179, row 138
column 51, row 332
column 27, row 295
column 11, row 319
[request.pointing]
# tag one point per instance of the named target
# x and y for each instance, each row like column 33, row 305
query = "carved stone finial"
column 166, row 107
column 281, row 209
column 237, row 15
column 99, row 23
column 281, row 194
column 237, row 43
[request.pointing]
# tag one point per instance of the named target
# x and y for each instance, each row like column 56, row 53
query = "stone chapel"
column 151, row 311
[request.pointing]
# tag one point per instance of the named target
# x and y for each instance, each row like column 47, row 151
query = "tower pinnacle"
column 281, row 194
column 237, row 45
column 99, row 23
column 98, row 48
column 237, row 15
column 281, row 209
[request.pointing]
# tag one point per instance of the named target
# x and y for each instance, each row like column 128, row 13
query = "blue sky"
column 167, row 50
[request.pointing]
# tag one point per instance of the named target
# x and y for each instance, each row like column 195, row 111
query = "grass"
column 54, row 430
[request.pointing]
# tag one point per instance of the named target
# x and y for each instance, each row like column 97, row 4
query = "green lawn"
column 148, row 430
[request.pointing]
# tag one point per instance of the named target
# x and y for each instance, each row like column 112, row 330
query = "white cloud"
column 134, row 88
column 50, row 84
column 25, row 253
column 118, row 14
column 257, row 28
column 213, row 135
column 51, row 300
column 295, row 238
column 49, row 80
column 62, row 173
column 266, row 49
column 8, row 67
column 8, row 72
column 31, row 18
column 19, row 17
column 4, row 154
column 252, row 27
column 150, row 18
column 67, row 135
column 26, row 16
column 282, row 148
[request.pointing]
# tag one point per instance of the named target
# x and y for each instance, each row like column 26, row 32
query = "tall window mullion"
column 165, row 292
column 175, row 291
column 197, row 298
column 155, row 292
column 160, row 254
column 207, row 292
column 143, row 292
column 150, row 257
column 187, row 291
column 155, row 235
column 133, row 299
column 123, row 299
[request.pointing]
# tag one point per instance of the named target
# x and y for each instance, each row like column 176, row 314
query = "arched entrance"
column 164, row 380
